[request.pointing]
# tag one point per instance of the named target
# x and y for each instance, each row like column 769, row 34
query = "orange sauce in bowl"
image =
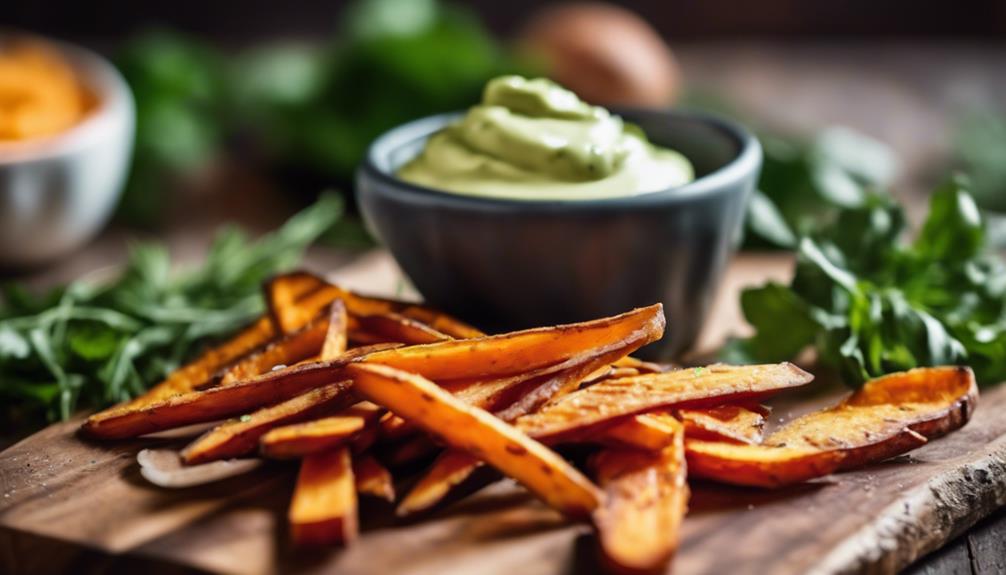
column 40, row 93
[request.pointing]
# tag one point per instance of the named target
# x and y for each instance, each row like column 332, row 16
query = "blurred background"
column 246, row 112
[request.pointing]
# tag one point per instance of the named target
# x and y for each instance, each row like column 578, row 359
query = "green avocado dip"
column 534, row 140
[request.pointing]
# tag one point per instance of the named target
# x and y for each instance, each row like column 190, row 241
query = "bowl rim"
column 114, row 105
column 746, row 162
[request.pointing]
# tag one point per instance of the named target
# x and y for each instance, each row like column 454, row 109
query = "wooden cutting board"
column 73, row 506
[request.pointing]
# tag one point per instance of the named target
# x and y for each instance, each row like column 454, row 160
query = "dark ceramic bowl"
column 505, row 264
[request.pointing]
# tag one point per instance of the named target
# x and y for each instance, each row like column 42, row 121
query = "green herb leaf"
column 806, row 184
column 92, row 341
column 782, row 320
column 13, row 345
column 954, row 226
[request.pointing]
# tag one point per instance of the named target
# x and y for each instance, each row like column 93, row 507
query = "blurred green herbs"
column 807, row 183
column 308, row 107
column 980, row 150
column 870, row 303
column 181, row 102
column 95, row 344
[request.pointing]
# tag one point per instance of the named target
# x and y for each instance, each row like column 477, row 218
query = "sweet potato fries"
column 363, row 390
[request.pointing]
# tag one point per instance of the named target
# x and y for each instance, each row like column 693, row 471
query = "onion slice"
column 164, row 468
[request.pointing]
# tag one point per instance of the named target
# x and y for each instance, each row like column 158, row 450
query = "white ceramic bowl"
column 56, row 193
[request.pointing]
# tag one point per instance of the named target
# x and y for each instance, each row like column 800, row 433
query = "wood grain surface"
column 75, row 506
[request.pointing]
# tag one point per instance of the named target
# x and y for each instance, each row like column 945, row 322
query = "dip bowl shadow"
column 508, row 264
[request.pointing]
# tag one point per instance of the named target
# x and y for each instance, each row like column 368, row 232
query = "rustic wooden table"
column 904, row 94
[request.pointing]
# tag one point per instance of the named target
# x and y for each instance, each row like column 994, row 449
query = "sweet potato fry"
column 645, row 366
column 199, row 372
column 758, row 465
column 311, row 301
column 372, row 478
column 358, row 337
column 441, row 322
column 647, row 498
column 512, row 396
column 361, row 305
column 281, row 295
column 241, row 436
column 606, row 401
column 605, row 372
column 573, row 371
column 518, row 352
column 419, row 400
column 617, row 372
column 393, row 427
column 215, row 403
column 302, row 439
column 324, row 506
column 730, row 423
column 646, row 431
column 335, row 341
column 399, row 328
column 293, row 313
column 452, row 468
column 202, row 370
column 286, row 350
column 886, row 417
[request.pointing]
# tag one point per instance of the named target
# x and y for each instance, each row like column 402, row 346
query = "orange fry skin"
column 241, row 436
column 324, row 506
column 310, row 437
column 451, row 469
column 281, row 295
column 646, row 431
column 399, row 328
column 215, row 403
column 372, row 478
column 758, row 465
column 286, row 350
column 421, row 401
column 605, row 402
column 199, row 372
column 517, row 352
column 647, row 498
column 888, row 416
column 730, row 423
column 336, row 334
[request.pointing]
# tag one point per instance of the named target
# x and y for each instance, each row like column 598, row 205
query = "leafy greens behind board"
column 979, row 147
column 872, row 304
column 99, row 344
column 805, row 184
